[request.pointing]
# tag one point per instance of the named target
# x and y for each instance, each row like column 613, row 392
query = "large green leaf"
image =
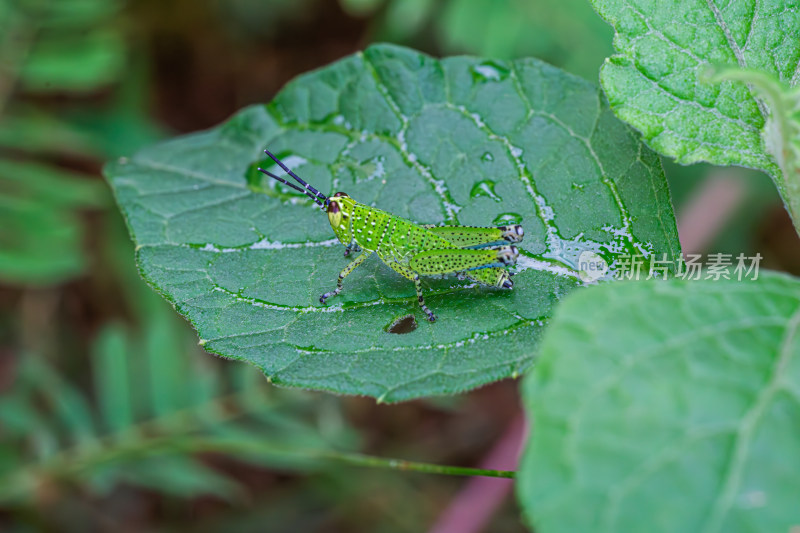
column 460, row 140
column 655, row 81
column 667, row 406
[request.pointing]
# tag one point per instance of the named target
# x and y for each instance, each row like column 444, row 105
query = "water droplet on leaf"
column 489, row 71
column 484, row 188
column 505, row 219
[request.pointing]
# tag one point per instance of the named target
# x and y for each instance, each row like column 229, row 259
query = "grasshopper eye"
column 342, row 194
column 334, row 214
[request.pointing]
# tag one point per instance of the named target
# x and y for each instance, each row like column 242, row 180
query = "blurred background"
column 111, row 417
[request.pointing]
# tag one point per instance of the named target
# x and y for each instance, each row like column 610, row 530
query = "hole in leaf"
column 404, row 324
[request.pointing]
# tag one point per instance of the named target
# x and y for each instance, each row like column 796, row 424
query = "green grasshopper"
column 410, row 249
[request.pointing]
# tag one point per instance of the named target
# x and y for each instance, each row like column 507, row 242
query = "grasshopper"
column 410, row 249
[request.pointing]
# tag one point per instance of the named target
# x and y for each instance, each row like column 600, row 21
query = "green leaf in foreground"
column 461, row 140
column 667, row 406
column 655, row 81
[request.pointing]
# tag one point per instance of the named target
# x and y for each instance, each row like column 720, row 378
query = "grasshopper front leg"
column 352, row 247
column 343, row 274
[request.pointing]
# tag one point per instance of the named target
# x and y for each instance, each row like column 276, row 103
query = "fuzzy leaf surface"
column 667, row 406
column 655, row 82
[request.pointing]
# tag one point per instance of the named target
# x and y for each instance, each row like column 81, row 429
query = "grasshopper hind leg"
column 494, row 277
column 513, row 233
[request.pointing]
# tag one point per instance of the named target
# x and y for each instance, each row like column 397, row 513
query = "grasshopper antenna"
column 308, row 187
column 292, row 185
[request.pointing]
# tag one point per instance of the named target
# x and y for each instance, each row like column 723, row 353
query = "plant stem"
column 780, row 130
column 142, row 441
column 188, row 444
column 399, row 464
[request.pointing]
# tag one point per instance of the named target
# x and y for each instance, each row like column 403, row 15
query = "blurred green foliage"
column 51, row 52
column 566, row 33
column 151, row 406
column 41, row 234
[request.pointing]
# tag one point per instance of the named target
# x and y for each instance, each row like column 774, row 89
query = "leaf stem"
column 779, row 130
column 25, row 481
column 143, row 440
column 234, row 447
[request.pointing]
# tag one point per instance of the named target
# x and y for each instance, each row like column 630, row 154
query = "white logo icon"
column 591, row 266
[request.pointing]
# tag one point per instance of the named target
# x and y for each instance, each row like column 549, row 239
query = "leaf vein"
column 747, row 428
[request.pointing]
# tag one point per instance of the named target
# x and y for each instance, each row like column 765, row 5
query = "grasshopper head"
column 340, row 208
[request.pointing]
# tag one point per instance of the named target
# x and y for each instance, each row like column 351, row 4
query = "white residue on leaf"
column 568, row 251
column 616, row 232
column 378, row 171
column 524, row 263
column 623, row 234
column 294, row 161
column 564, row 257
column 265, row 244
column 265, row 305
column 548, row 215
column 339, row 120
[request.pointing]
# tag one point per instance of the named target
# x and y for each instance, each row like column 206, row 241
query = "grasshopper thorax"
column 340, row 209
